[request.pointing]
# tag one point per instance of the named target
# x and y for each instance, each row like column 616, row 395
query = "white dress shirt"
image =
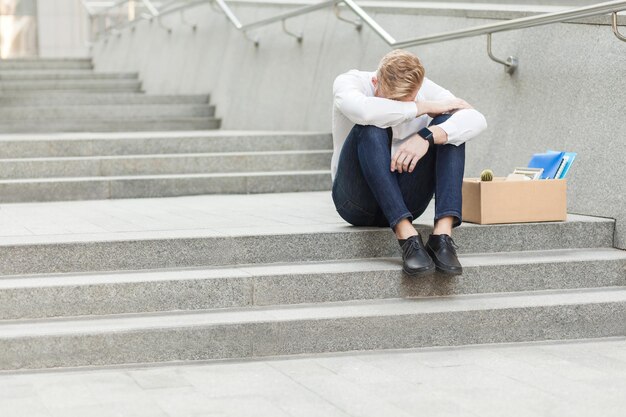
column 355, row 103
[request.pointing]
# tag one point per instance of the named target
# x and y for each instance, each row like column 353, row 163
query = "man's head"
column 399, row 76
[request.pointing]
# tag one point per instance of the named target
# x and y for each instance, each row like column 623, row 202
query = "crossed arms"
column 464, row 124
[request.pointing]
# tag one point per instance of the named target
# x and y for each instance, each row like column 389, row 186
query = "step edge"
column 65, row 326
column 166, row 155
column 207, row 233
column 262, row 271
column 162, row 177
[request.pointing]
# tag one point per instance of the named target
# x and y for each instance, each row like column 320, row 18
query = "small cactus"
column 486, row 175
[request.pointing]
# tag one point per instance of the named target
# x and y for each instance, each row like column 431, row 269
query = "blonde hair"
column 400, row 74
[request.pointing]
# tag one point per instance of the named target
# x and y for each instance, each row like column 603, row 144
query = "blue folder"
column 555, row 164
column 549, row 161
column 567, row 158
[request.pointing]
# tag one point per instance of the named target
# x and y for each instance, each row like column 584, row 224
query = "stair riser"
column 109, row 126
column 155, row 166
column 46, row 65
column 78, row 91
column 96, row 85
column 254, row 340
column 245, row 291
column 74, row 114
column 172, row 253
column 103, row 188
column 70, row 75
column 104, row 147
column 65, row 99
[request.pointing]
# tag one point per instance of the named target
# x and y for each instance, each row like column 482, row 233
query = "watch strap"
column 427, row 134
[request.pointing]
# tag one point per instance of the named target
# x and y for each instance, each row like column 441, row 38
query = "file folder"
column 549, row 161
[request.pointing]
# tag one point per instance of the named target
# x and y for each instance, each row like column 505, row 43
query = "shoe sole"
column 420, row 273
column 448, row 271
column 440, row 269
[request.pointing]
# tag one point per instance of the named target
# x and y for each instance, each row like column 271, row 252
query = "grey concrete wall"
column 62, row 29
column 569, row 92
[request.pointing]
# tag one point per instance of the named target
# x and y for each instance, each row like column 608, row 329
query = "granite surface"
column 550, row 102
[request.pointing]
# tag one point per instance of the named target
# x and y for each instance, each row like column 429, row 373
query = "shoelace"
column 415, row 245
column 451, row 242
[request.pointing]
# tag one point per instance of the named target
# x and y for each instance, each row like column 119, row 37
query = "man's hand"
column 409, row 153
column 435, row 108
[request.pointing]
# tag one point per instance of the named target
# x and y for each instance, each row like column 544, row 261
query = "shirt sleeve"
column 351, row 99
column 464, row 124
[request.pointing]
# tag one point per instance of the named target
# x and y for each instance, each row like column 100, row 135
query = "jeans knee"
column 374, row 134
column 440, row 119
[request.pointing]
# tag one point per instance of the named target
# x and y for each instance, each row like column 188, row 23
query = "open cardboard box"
column 500, row 201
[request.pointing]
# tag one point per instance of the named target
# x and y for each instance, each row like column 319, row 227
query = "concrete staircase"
column 64, row 95
column 207, row 277
column 216, row 291
column 117, row 162
column 160, row 164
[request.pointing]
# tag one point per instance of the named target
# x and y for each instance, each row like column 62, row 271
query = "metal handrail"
column 230, row 15
column 287, row 15
column 151, row 8
column 105, row 9
column 522, row 23
column 610, row 7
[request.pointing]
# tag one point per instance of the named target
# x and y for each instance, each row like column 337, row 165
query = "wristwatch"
column 427, row 134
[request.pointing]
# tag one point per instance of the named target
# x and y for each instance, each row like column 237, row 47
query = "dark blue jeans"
column 367, row 193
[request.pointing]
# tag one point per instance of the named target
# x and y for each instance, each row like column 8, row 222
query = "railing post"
column 299, row 36
column 358, row 25
column 616, row 30
column 511, row 63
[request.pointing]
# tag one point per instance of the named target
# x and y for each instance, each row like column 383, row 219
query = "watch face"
column 425, row 133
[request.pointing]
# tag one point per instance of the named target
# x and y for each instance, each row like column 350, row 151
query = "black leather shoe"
column 442, row 250
column 415, row 259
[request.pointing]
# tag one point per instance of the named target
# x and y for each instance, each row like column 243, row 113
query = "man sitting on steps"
column 398, row 139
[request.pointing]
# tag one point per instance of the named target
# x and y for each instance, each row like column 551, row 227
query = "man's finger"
column 400, row 162
column 397, row 160
column 464, row 104
column 406, row 162
column 413, row 163
column 394, row 160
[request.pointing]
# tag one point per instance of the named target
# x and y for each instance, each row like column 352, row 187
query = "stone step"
column 164, row 164
column 70, row 85
column 62, row 99
column 27, row 297
column 45, row 64
column 111, row 125
column 78, row 91
column 212, row 239
column 22, row 75
column 103, row 144
column 309, row 328
column 74, row 113
column 145, row 186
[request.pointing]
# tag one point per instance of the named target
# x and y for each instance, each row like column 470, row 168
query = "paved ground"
column 206, row 215
column 570, row 379
column 209, row 215
column 548, row 379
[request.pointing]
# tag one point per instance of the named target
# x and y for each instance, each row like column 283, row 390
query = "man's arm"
column 351, row 100
column 464, row 124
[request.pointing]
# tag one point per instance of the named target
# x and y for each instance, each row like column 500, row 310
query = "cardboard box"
column 500, row 201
